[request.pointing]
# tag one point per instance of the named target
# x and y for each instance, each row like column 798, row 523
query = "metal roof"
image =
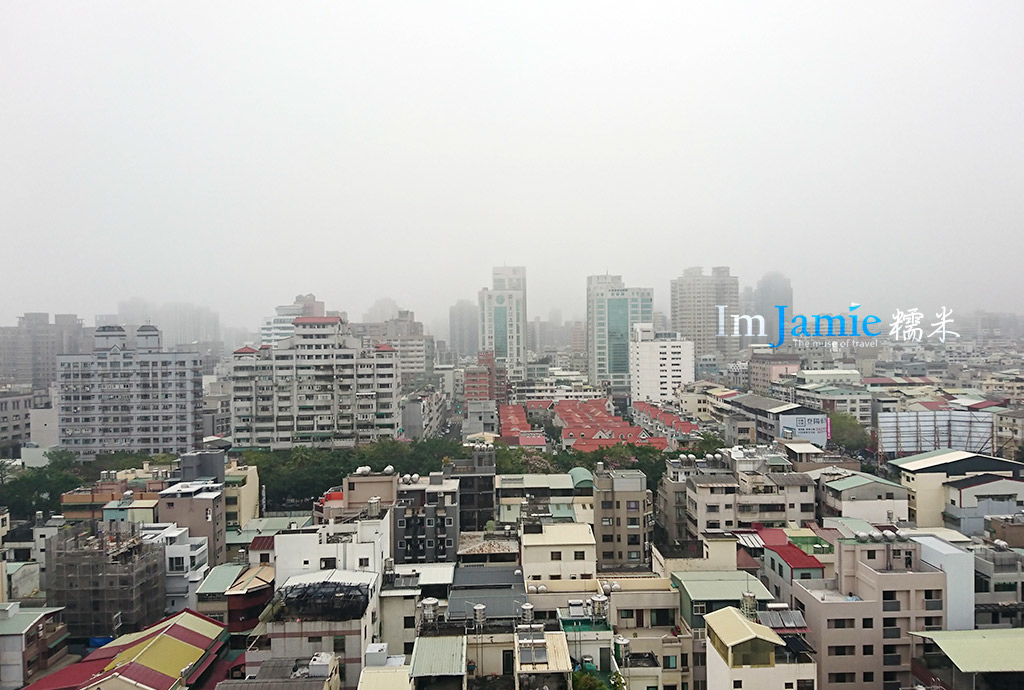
column 439, row 656
column 721, row 585
column 789, row 479
column 981, row 651
column 786, row 619
column 733, row 628
column 751, row 540
column 803, row 447
column 221, row 578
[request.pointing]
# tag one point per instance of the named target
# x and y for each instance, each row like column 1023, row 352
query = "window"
column 842, row 650
column 606, row 522
column 869, row 676
column 401, row 523
column 264, row 558
column 868, row 649
column 408, row 647
column 633, row 505
column 633, row 555
column 834, row 623
column 608, row 538
column 556, row 555
column 606, row 505
column 668, row 661
column 328, row 563
column 871, row 555
column 842, row 678
column 339, row 643
column 625, row 613
column 314, row 639
column 409, row 622
column 867, row 623
column 737, row 683
column 176, row 564
column 363, row 562
column 700, row 608
column 608, row 554
column 580, row 555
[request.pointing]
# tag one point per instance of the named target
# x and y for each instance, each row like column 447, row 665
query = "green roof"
column 859, row 479
column 19, row 623
column 981, row 651
column 721, row 585
column 581, row 476
column 439, row 656
column 221, row 578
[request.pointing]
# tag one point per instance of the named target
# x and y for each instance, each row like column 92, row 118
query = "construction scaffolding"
column 905, row 433
column 325, row 600
column 109, row 581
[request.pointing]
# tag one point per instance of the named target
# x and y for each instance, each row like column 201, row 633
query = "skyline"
column 355, row 152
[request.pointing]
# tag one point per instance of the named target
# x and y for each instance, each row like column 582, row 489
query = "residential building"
column 476, row 475
column 322, row 671
column 969, row 501
column 280, row 326
column 143, row 400
column 241, row 494
column 926, row 475
column 612, row 311
column 998, row 580
column 359, row 539
column 81, row 564
column 558, row 551
column 332, row 611
column 15, row 419
column 951, row 659
column 860, row 621
column 503, row 318
column 29, row 351
column 186, row 562
column 318, row 387
column 198, row 506
column 464, row 328
column 776, row 419
column 32, row 640
column 1009, row 433
column 745, row 654
column 765, row 368
column 427, row 519
column 423, row 412
column 695, row 301
column 659, row 363
column 784, row 563
column 623, row 518
column 853, row 494
column 741, row 500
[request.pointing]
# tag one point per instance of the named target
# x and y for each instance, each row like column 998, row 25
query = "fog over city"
column 237, row 154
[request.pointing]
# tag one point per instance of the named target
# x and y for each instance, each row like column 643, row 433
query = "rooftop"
column 981, row 651
column 721, row 585
column 733, row 628
column 439, row 656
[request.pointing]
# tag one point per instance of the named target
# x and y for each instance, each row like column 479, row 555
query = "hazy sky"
column 236, row 154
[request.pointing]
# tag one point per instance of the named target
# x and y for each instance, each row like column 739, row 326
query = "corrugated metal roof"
column 163, row 654
column 721, row 585
column 439, row 656
column 981, row 651
column 751, row 540
column 733, row 628
column 221, row 578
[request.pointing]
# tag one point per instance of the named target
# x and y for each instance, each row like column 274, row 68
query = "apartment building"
column 330, row 611
column 860, row 621
column 695, row 298
column 742, row 653
column 29, row 351
column 15, row 419
column 476, row 475
column 740, row 500
column 319, row 387
column 623, row 518
column 969, row 501
column 281, row 325
column 613, row 310
column 186, row 563
column 142, row 400
column 32, row 640
column 558, row 551
column 1009, row 433
column 358, row 540
column 198, row 506
column 765, row 368
column 853, row 494
column 926, row 475
column 659, row 363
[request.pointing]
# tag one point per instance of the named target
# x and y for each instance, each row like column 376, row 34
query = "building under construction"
column 107, row 579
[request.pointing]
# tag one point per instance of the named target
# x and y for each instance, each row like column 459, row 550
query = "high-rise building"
column 28, row 351
column 464, row 328
column 279, row 326
column 773, row 290
column 117, row 398
column 503, row 318
column 612, row 311
column 320, row 387
column 695, row 298
column 659, row 363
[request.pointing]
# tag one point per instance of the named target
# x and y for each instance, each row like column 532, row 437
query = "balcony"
column 933, row 604
column 890, row 606
column 891, row 660
column 891, row 633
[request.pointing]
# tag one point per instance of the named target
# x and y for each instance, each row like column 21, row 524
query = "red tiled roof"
column 794, row 556
column 384, row 347
column 70, row 677
column 263, row 542
column 246, row 350
column 744, row 561
column 773, row 536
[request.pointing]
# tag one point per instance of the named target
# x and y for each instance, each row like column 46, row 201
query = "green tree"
column 847, row 432
column 583, row 680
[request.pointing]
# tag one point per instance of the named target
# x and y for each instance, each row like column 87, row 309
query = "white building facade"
column 659, row 363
